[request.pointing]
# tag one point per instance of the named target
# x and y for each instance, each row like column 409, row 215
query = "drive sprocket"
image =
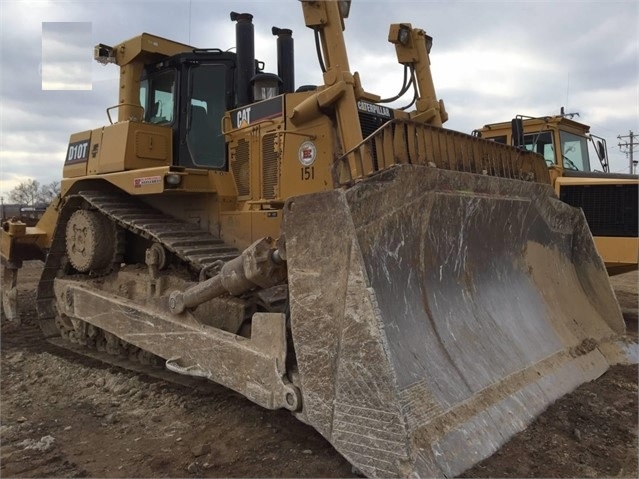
column 91, row 241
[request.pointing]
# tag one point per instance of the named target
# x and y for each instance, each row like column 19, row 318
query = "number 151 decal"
column 308, row 173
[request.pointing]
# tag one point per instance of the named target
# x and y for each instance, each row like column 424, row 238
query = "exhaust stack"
column 285, row 58
column 245, row 48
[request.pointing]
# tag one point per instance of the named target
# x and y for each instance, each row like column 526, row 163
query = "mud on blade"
column 435, row 314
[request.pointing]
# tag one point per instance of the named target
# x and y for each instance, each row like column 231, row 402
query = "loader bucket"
column 434, row 314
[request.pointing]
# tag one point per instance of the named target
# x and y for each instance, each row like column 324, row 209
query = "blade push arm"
column 412, row 46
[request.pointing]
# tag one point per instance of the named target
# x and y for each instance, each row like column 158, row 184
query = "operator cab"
column 190, row 92
column 562, row 142
column 573, row 148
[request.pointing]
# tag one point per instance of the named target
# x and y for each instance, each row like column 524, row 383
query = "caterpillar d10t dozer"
column 609, row 200
column 415, row 294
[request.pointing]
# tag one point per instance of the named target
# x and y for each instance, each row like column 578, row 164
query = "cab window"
column 499, row 139
column 574, row 151
column 206, row 109
column 541, row 143
column 157, row 97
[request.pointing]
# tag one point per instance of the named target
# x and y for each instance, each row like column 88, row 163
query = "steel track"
column 196, row 248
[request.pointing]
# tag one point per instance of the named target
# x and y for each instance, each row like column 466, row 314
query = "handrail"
column 108, row 111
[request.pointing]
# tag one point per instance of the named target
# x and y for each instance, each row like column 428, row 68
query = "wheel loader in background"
column 609, row 200
column 392, row 283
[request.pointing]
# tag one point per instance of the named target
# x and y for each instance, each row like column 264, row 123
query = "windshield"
column 541, row 143
column 157, row 97
column 574, row 150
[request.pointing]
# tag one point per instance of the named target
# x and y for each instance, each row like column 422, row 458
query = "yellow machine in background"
column 390, row 282
column 609, row 200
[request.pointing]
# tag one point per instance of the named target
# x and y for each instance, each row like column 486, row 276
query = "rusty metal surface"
column 435, row 314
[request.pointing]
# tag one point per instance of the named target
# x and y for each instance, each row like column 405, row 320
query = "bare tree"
column 26, row 193
column 31, row 193
column 49, row 192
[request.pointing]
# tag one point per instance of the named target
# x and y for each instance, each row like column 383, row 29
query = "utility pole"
column 630, row 145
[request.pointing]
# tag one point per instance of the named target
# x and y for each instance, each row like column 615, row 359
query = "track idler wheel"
column 91, row 241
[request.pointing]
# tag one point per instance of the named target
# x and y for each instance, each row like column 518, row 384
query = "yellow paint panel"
column 151, row 181
column 151, row 145
column 265, row 223
column 95, row 150
column 569, row 181
column 316, row 142
column 617, row 250
column 240, row 229
column 74, row 171
column 235, row 229
column 113, row 148
column 132, row 145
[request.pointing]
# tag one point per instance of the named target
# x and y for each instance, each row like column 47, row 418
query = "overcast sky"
column 490, row 61
column 66, row 60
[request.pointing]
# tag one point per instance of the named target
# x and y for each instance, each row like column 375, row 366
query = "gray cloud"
column 491, row 61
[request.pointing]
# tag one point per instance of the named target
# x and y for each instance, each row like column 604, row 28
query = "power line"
column 630, row 148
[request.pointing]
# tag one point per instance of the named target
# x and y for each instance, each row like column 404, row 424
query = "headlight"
column 403, row 35
column 173, row 179
column 344, row 8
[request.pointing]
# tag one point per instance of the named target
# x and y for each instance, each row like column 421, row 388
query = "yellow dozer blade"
column 436, row 313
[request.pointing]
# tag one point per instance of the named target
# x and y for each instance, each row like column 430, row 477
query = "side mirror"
column 601, row 153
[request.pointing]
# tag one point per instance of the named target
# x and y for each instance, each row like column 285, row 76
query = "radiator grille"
column 240, row 168
column 370, row 123
column 611, row 210
column 270, row 168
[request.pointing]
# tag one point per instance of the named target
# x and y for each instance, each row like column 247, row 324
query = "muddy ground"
column 64, row 415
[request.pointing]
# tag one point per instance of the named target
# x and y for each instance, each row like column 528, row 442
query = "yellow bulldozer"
column 416, row 294
column 609, row 200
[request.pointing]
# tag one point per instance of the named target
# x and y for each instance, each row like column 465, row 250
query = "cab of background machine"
column 563, row 142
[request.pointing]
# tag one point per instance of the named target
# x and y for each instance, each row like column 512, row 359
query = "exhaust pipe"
column 245, row 48
column 285, row 58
